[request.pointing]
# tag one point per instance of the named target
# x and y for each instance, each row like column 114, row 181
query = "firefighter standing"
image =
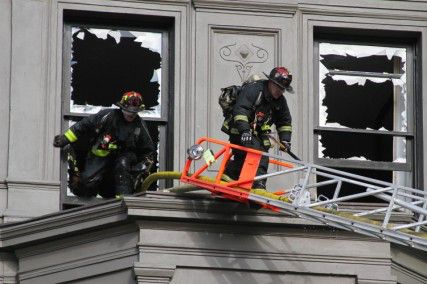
column 118, row 141
column 259, row 105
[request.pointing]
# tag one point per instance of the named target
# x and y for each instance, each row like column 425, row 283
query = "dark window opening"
column 373, row 63
column 103, row 69
column 153, row 128
column 373, row 147
column 356, row 106
column 106, row 55
column 347, row 188
column 365, row 110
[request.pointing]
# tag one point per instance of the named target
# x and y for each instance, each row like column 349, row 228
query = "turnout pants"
column 106, row 176
column 235, row 164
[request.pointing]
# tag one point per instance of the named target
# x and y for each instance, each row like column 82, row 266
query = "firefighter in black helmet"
column 259, row 105
column 118, row 142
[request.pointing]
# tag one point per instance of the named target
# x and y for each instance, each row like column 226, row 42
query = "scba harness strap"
column 228, row 112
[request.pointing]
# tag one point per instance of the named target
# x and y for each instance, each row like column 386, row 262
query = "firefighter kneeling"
column 111, row 146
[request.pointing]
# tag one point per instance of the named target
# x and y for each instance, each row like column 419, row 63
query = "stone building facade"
column 205, row 45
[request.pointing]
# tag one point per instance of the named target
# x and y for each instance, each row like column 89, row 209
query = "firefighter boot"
column 257, row 185
column 123, row 178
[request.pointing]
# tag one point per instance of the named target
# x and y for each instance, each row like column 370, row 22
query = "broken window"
column 104, row 63
column 364, row 112
column 107, row 63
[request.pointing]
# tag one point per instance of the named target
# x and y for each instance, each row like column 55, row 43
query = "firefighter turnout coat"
column 257, row 110
column 109, row 133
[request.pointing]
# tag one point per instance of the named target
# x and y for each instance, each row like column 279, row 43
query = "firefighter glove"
column 144, row 166
column 246, row 138
column 149, row 161
column 140, row 167
column 286, row 146
column 60, row 141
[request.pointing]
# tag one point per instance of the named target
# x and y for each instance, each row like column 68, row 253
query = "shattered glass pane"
column 107, row 63
column 361, row 101
column 362, row 147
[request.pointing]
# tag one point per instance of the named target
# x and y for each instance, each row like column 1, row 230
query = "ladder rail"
column 379, row 210
column 372, row 190
column 349, row 197
column 346, row 174
column 348, row 224
column 421, row 217
column 407, row 205
column 409, row 225
column 296, row 169
column 389, row 209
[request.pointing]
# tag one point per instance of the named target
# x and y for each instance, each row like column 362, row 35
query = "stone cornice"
column 155, row 206
column 60, row 223
column 189, row 209
column 163, row 1
column 76, row 264
column 30, row 184
column 172, row 207
column 288, row 256
column 401, row 13
column 3, row 184
column 404, row 10
column 408, row 272
column 161, row 273
column 247, row 5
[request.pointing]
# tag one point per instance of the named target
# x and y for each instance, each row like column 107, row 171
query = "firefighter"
column 118, row 142
column 259, row 105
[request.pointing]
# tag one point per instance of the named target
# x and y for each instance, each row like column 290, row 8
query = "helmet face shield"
column 133, row 104
column 283, row 82
column 282, row 78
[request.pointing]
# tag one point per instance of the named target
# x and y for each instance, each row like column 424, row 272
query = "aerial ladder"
column 298, row 201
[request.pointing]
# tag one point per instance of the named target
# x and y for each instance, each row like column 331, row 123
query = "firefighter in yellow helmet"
column 118, row 142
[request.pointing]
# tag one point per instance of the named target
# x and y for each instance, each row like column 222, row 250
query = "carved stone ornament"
column 245, row 56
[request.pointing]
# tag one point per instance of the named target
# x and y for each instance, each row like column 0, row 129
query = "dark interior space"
column 366, row 36
column 136, row 21
column 153, row 128
column 374, row 63
column 366, row 118
column 103, row 70
column 356, row 106
column 347, row 189
column 342, row 145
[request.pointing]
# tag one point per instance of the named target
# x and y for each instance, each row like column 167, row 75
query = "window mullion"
column 319, row 129
column 365, row 74
column 373, row 165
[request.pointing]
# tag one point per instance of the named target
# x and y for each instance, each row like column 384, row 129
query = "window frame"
column 164, row 123
column 354, row 37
